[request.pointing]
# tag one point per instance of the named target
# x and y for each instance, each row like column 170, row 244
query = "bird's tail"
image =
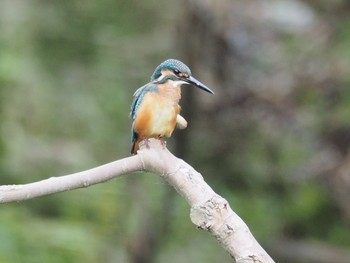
column 134, row 148
column 135, row 145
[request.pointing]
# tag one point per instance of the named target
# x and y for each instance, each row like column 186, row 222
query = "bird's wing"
column 138, row 96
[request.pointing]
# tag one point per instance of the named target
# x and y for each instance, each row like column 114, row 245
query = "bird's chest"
column 161, row 110
column 164, row 115
column 166, row 101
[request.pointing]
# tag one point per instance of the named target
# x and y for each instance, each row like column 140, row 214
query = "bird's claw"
column 147, row 141
column 162, row 142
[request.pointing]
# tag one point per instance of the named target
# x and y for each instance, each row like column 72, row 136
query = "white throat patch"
column 177, row 83
column 160, row 77
column 173, row 83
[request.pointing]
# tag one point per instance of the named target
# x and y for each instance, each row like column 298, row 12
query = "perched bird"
column 155, row 111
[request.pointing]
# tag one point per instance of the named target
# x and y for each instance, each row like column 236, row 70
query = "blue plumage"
column 170, row 64
column 138, row 96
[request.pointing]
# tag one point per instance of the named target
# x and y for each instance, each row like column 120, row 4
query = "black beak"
column 193, row 81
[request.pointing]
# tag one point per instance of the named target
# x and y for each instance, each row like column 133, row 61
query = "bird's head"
column 177, row 72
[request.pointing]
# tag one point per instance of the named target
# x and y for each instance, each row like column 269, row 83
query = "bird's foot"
column 162, row 142
column 147, row 141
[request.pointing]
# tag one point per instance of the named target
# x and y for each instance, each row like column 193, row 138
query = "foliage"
column 68, row 70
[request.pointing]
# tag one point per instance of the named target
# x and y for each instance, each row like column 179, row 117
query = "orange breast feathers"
column 156, row 116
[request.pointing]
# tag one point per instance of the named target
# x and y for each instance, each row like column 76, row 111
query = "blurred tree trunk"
column 240, row 49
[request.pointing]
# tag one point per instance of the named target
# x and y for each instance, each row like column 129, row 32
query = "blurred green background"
column 274, row 140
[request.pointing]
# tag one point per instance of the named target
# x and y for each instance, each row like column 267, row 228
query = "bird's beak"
column 193, row 81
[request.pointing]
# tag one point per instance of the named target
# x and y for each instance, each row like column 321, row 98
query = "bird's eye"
column 176, row 71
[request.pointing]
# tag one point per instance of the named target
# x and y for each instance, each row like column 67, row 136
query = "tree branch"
column 209, row 211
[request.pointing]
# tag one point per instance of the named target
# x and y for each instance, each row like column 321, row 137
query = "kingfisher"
column 155, row 110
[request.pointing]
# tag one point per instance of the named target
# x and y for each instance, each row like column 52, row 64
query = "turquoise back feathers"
column 138, row 96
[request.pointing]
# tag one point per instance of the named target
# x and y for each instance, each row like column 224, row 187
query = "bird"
column 155, row 109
